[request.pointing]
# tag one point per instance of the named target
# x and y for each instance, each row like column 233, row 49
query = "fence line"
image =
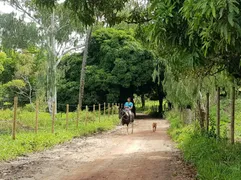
column 39, row 121
column 59, row 104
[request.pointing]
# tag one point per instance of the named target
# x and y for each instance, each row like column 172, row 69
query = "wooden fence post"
column 218, row 112
column 15, row 117
column 36, row 117
column 86, row 115
column 99, row 112
column 78, row 113
column 112, row 108
column 207, row 115
column 67, row 116
column 104, row 109
column 53, row 116
column 232, row 114
column 115, row 104
column 108, row 109
column 94, row 108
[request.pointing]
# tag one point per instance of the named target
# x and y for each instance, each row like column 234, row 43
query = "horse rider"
column 128, row 107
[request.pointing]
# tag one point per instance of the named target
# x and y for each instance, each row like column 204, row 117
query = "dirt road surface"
column 114, row 155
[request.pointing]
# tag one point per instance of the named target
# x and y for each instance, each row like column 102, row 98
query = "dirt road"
column 143, row 155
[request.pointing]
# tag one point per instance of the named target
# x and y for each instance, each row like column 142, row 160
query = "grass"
column 27, row 141
column 149, row 106
column 214, row 160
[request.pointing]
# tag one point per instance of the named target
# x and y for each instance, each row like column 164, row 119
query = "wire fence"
column 16, row 120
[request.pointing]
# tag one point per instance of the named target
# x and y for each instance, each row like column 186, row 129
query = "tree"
column 60, row 35
column 89, row 13
column 16, row 33
column 217, row 23
column 3, row 58
column 206, row 32
column 121, row 55
column 22, row 75
column 114, row 70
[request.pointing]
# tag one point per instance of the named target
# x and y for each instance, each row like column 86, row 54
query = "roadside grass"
column 28, row 141
column 213, row 159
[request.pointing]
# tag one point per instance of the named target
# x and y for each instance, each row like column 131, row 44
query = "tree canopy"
column 115, row 65
column 16, row 33
column 89, row 11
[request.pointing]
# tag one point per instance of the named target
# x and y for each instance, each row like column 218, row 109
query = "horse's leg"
column 127, row 129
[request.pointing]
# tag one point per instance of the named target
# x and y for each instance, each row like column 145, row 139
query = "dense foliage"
column 114, row 70
column 213, row 159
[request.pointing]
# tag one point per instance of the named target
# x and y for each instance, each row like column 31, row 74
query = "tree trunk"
column 82, row 74
column 169, row 106
column 201, row 115
column 142, row 100
column 218, row 113
column 52, row 90
column 207, row 113
column 160, row 108
column 232, row 114
column 160, row 98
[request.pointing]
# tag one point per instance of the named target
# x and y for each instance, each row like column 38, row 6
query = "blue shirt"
column 128, row 104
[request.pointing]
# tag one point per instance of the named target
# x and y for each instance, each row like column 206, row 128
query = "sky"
column 4, row 8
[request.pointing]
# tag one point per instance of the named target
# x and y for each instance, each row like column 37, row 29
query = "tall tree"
column 115, row 67
column 89, row 13
column 60, row 35
column 15, row 33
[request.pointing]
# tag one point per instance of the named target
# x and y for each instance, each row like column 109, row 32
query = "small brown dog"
column 154, row 125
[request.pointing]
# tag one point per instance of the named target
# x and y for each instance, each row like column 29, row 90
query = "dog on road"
column 154, row 125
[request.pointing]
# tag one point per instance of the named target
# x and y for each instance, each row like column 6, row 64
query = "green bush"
column 29, row 108
column 213, row 159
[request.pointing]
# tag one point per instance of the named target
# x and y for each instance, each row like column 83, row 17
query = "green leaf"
column 213, row 9
column 230, row 19
column 221, row 13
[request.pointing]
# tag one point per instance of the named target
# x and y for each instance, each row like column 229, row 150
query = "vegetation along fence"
column 18, row 120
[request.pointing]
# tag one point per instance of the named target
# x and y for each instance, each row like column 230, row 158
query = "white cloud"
column 4, row 8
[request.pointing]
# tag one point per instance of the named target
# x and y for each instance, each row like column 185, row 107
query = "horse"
column 125, row 119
